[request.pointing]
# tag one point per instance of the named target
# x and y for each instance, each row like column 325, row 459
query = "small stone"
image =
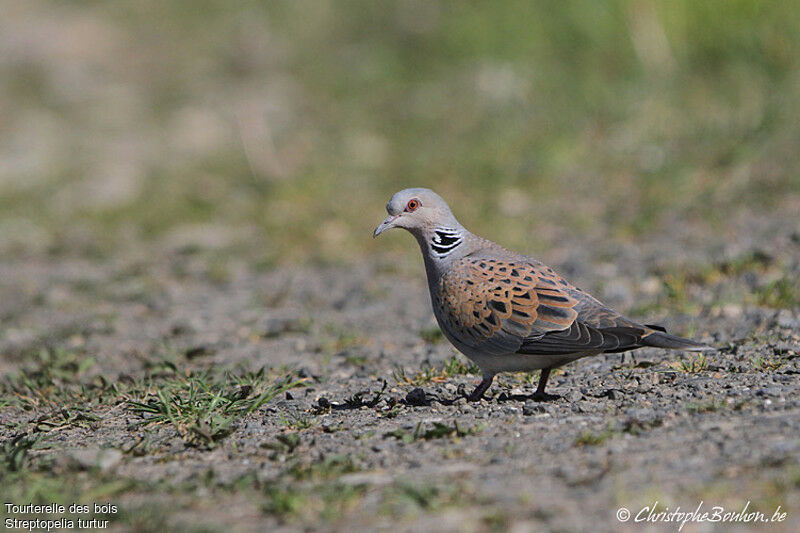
column 786, row 319
column 417, row 396
column 732, row 311
column 533, row 408
column 289, row 395
column 198, row 351
column 181, row 328
column 613, row 394
column 276, row 326
column 574, row 396
column 641, row 416
column 102, row 458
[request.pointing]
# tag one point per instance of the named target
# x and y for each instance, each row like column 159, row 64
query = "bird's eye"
column 412, row 205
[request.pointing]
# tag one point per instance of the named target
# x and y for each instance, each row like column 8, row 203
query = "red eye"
column 412, row 205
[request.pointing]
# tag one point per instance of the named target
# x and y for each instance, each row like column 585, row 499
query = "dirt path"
column 112, row 369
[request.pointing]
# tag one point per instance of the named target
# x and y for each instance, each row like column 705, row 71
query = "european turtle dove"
column 505, row 311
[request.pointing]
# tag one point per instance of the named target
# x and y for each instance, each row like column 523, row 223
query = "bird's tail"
column 662, row 339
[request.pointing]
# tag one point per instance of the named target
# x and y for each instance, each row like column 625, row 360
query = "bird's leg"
column 540, row 395
column 477, row 394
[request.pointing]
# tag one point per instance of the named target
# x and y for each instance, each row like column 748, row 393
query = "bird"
column 508, row 312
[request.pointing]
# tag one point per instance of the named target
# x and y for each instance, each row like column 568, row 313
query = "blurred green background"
column 279, row 129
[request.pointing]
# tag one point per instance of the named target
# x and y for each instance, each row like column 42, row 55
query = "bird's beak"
column 386, row 224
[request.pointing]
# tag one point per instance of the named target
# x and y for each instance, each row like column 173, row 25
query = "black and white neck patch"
column 445, row 240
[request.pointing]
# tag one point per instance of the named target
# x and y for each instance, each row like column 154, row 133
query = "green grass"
column 432, row 335
column 203, row 407
column 437, row 431
column 298, row 422
column 411, row 497
column 768, row 364
column 329, row 467
column 454, row 366
column 681, row 285
column 48, row 377
column 693, row 365
column 592, row 438
column 706, row 406
column 310, row 491
column 781, row 293
column 204, row 410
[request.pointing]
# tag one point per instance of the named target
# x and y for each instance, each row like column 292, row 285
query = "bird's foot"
column 475, row 396
column 540, row 396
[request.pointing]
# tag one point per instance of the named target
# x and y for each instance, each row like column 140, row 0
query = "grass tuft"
column 205, row 411
column 454, row 366
column 693, row 365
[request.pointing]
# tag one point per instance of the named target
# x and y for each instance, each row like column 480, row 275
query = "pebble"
column 533, row 408
column 103, row 458
column 574, row 396
column 416, row 396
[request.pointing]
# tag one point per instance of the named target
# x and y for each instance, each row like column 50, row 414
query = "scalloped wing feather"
column 494, row 305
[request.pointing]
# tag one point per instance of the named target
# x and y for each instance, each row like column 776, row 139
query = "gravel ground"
column 378, row 434
column 197, row 331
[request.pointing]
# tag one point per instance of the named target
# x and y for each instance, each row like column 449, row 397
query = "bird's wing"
column 496, row 305
column 507, row 306
column 596, row 328
column 581, row 337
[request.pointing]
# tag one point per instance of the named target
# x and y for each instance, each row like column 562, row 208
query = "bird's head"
column 417, row 210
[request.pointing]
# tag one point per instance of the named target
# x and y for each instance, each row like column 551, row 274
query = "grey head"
column 425, row 215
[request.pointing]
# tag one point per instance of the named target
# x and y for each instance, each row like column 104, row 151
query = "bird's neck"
column 441, row 245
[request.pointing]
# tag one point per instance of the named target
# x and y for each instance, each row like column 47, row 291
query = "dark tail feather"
column 661, row 339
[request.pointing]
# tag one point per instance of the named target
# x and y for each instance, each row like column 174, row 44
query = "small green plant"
column 768, row 363
column 73, row 416
column 329, row 467
column 355, row 360
column 783, row 293
column 693, row 365
column 431, row 335
column 591, row 438
column 706, row 406
column 454, row 366
column 298, row 422
column 425, row 495
column 338, row 340
column 15, row 451
column 54, row 377
column 204, row 411
column 458, row 366
column 283, row 500
column 438, row 431
column 326, row 501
